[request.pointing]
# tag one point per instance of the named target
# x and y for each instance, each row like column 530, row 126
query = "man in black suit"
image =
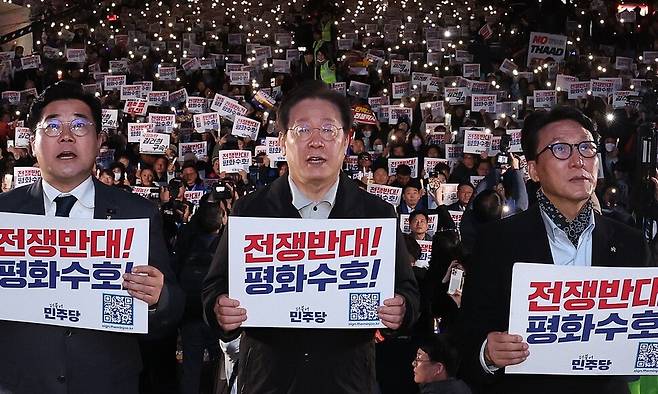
column 50, row 359
column 282, row 360
column 464, row 193
column 561, row 229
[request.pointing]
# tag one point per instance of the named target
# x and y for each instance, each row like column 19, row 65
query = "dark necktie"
column 64, row 205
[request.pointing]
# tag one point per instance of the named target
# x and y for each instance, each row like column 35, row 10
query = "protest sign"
column 135, row 107
column 191, row 65
column 411, row 162
column 584, row 320
column 281, row 66
column 164, row 123
column 114, row 82
column 358, row 89
column 471, row 70
column 26, row 176
column 234, row 160
column 178, row 97
column 68, row 272
column 145, row 192
column 390, row 194
column 109, row 118
column 166, row 73
column 351, row 163
column 454, row 152
column 455, row 96
column 157, row 98
column 22, row 137
column 623, row 63
column 135, row 130
column 456, row 217
column 118, row 66
column 199, row 149
column 363, row 115
column 420, row 79
column 545, row 98
column 131, row 92
column 196, row 105
column 432, row 111
column 395, row 113
column 239, row 78
column 619, row 98
column 400, row 67
column 544, row 45
column 562, row 82
column 340, row 87
column 477, row 142
column 425, row 254
column 105, row 158
column 515, row 140
column 579, row 90
column 274, row 150
column 434, row 85
column 486, row 102
column 75, row 55
column 230, row 108
column 376, row 102
column 602, row 89
column 508, row 67
column 30, row 62
column 205, row 122
column 12, row 96
column 153, row 143
column 245, row 127
column 400, row 89
column 338, row 280
column 193, row 196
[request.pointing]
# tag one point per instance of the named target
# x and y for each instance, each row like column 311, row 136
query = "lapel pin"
column 613, row 249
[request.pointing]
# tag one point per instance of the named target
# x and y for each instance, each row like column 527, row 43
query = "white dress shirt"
column 83, row 207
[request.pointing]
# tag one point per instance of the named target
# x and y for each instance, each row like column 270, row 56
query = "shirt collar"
column 299, row 199
column 552, row 228
column 84, row 192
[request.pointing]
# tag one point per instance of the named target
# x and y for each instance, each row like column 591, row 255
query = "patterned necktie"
column 64, row 205
column 574, row 228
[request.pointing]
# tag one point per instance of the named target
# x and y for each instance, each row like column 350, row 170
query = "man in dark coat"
column 283, row 360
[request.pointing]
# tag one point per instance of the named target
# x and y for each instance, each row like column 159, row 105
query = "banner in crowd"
column 22, row 137
column 206, row 122
column 425, row 254
column 153, row 143
column 477, row 142
column 135, row 130
column 164, row 123
column 199, row 149
column 390, row 194
column 585, row 320
column 544, row 45
column 545, row 98
column 109, row 118
column 412, row 162
column 232, row 161
column 68, row 272
column 245, row 127
column 274, row 150
column 363, row 115
column 26, row 176
column 486, row 102
column 295, row 275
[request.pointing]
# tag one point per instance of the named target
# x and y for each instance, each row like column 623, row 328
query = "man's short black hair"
column 417, row 212
column 440, row 349
column 314, row 90
column 65, row 90
column 538, row 120
column 403, row 169
column 415, row 183
column 469, row 184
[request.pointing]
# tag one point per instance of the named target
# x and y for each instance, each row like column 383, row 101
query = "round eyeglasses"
column 563, row 150
column 303, row 131
column 53, row 127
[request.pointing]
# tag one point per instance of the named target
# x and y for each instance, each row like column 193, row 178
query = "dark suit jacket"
column 278, row 360
column 485, row 303
column 49, row 359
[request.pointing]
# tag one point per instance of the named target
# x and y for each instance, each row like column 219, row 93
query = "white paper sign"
column 412, row 162
column 486, row 102
column 135, row 130
column 158, row 98
column 425, row 254
column 390, row 194
column 164, row 123
column 456, row 96
column 544, row 45
column 114, row 82
column 153, row 143
column 22, row 137
column 82, row 291
column 75, row 55
column 26, row 176
column 610, row 307
column 234, row 160
column 240, row 78
column 109, row 118
column 545, row 98
column 245, row 127
column 477, row 142
column 131, row 92
column 199, row 149
column 205, row 122
column 320, row 289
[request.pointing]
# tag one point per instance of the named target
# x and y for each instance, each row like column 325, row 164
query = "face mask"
column 609, row 147
column 378, row 148
column 367, row 133
column 117, row 176
column 416, row 142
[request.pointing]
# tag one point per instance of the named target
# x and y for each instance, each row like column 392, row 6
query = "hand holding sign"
column 229, row 316
column 392, row 312
column 504, row 349
column 145, row 282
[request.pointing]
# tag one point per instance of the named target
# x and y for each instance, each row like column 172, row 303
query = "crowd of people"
column 442, row 97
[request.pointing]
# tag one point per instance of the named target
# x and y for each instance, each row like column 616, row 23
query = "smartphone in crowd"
column 456, row 281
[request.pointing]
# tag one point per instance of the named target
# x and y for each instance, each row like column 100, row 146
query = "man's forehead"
column 564, row 129
column 68, row 106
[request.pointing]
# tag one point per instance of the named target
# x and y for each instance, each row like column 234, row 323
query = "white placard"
column 205, row 122
column 544, row 45
column 158, row 98
column 114, row 82
column 26, row 176
column 390, row 194
column 200, row 149
column 455, row 96
column 109, row 118
column 153, row 143
column 315, row 286
column 486, row 102
column 477, row 142
column 131, row 92
column 234, row 161
column 22, row 137
column 425, row 254
column 83, row 262
column 164, row 123
column 75, row 55
column 545, row 98
column 412, row 162
column 135, row 130
column 245, row 127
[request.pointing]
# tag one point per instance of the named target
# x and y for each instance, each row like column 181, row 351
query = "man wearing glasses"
column 562, row 229
column 51, row 359
column 315, row 121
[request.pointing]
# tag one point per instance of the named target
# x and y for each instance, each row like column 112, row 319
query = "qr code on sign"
column 118, row 309
column 363, row 306
column 647, row 355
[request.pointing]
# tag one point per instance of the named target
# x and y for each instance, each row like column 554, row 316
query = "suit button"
column 61, row 378
column 68, row 333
